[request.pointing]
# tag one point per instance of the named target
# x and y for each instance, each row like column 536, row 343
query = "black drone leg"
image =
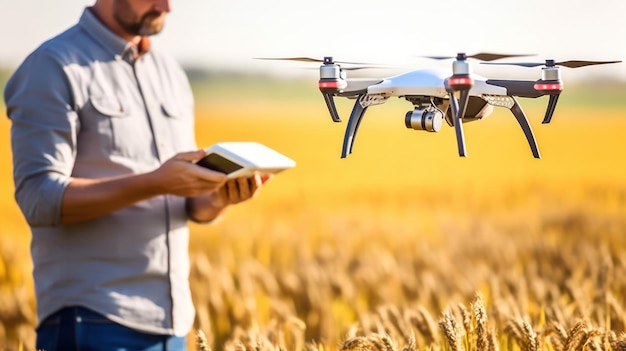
column 463, row 100
column 551, row 107
column 523, row 122
column 458, row 124
column 330, row 103
column 353, row 125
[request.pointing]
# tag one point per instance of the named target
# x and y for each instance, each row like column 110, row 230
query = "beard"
column 149, row 23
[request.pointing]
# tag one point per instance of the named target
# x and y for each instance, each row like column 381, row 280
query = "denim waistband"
column 74, row 314
column 76, row 327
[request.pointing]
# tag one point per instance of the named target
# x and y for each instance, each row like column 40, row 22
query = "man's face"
column 141, row 17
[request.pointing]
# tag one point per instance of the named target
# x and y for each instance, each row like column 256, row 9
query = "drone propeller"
column 300, row 59
column 482, row 56
column 348, row 68
column 326, row 60
column 552, row 63
column 309, row 59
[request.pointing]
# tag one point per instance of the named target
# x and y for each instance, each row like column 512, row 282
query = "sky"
column 230, row 34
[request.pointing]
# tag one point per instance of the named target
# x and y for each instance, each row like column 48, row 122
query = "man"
column 103, row 152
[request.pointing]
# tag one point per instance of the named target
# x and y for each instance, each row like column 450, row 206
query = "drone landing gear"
column 519, row 114
column 363, row 101
column 330, row 103
column 551, row 107
column 458, row 111
column 511, row 103
column 353, row 125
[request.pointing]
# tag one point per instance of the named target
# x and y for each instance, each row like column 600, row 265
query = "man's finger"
column 256, row 182
column 190, row 156
column 233, row 191
column 244, row 188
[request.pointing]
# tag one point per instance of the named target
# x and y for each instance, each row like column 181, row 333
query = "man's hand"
column 241, row 189
column 208, row 207
column 181, row 176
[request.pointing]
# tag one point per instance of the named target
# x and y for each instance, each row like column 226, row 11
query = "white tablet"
column 244, row 158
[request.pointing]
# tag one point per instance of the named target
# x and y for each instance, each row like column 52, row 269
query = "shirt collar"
column 115, row 44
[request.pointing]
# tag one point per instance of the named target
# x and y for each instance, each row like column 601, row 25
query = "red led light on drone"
column 453, row 81
column 329, row 85
column 549, row 86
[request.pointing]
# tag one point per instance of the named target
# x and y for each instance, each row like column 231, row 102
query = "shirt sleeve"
column 43, row 136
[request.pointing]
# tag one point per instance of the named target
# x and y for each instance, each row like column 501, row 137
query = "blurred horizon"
column 223, row 36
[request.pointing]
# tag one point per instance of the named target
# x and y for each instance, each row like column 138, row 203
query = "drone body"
column 437, row 96
column 427, row 82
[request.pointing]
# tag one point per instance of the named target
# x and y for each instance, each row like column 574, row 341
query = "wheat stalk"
column 576, row 336
column 449, row 327
column 201, row 341
column 480, row 316
column 530, row 337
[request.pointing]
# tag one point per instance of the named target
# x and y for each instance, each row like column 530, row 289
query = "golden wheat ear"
column 201, row 341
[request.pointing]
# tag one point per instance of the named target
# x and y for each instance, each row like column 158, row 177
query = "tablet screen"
column 218, row 163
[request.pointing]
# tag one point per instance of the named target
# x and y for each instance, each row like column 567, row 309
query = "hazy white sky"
column 230, row 33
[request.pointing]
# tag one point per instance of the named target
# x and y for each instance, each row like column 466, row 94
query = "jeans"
column 80, row 329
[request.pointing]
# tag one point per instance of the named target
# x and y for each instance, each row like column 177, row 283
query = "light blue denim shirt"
column 81, row 106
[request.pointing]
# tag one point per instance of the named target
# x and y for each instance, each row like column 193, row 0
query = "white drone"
column 435, row 95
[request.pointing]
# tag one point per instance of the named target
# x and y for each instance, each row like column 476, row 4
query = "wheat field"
column 403, row 245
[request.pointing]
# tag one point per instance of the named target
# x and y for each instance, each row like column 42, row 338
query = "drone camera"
column 427, row 118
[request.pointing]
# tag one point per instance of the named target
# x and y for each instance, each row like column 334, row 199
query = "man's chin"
column 151, row 28
column 152, row 23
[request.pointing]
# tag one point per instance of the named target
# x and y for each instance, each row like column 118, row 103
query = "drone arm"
column 551, row 107
column 330, row 103
column 353, row 125
column 521, row 88
column 523, row 122
column 458, row 125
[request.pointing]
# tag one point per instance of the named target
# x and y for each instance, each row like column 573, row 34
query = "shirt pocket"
column 108, row 106
column 180, row 126
column 102, row 120
column 109, row 127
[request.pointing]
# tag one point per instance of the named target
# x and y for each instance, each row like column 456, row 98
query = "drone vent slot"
column 499, row 100
column 372, row 100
